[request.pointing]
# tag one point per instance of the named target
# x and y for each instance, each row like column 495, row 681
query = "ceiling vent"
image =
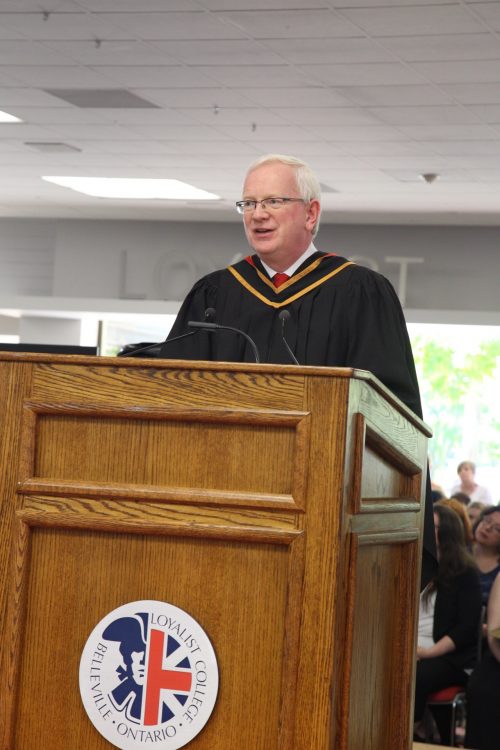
column 51, row 148
column 102, row 98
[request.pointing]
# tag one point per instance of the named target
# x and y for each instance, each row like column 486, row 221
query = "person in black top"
column 338, row 314
column 455, row 595
column 483, row 689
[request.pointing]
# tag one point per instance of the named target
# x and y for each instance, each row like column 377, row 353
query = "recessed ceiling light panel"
column 5, row 117
column 133, row 189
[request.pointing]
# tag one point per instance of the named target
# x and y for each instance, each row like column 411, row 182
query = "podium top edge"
column 176, row 364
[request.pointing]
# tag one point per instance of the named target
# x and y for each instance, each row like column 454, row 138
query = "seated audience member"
column 437, row 495
column 450, row 610
column 474, row 511
column 459, row 508
column 483, row 689
column 486, row 548
column 461, row 497
column 466, row 470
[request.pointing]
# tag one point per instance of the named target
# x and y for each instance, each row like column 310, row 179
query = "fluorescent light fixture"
column 5, row 117
column 136, row 189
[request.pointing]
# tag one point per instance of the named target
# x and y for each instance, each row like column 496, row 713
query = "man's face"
column 279, row 237
column 137, row 666
column 466, row 473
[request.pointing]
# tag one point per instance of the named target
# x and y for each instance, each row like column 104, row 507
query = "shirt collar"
column 291, row 269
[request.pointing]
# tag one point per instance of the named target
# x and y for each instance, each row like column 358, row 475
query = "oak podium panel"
column 281, row 507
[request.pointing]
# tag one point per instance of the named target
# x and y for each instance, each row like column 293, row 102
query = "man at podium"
column 290, row 303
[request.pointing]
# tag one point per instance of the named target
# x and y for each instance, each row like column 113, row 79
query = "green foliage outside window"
column 461, row 400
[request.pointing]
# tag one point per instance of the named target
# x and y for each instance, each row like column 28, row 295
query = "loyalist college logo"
column 148, row 676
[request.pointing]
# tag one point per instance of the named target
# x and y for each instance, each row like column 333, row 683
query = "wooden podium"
column 280, row 506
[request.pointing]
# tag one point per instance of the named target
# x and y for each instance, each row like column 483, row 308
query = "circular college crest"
column 148, row 676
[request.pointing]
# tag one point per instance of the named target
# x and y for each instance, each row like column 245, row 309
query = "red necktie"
column 280, row 278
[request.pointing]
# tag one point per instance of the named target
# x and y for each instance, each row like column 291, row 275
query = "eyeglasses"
column 273, row 204
column 490, row 525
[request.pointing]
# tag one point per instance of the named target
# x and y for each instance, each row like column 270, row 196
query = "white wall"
column 458, row 268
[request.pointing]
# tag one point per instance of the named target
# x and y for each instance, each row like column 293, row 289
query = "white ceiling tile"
column 91, row 132
column 302, row 149
column 340, row 4
column 9, row 34
column 313, row 51
column 34, row 6
column 60, row 115
column 255, row 76
column 449, row 132
column 266, row 132
column 288, row 24
column 111, row 52
column 259, row 4
column 223, row 116
column 467, row 148
column 213, row 148
column 418, row 164
column 146, row 6
column 485, row 175
column 31, row 159
column 473, row 93
column 167, row 76
column 220, row 52
column 487, row 112
column 194, row 97
column 21, row 131
column 453, row 115
column 412, row 20
column 129, row 147
column 10, row 146
column 326, row 115
column 467, row 71
column 337, row 177
column 30, row 97
column 490, row 13
column 62, row 26
column 414, row 96
column 50, row 76
column 145, row 116
column 321, row 149
column 373, row 133
column 173, row 25
column 19, row 52
column 472, row 161
column 324, row 163
column 303, row 97
column 364, row 74
column 165, row 161
column 178, row 132
column 387, row 148
column 483, row 46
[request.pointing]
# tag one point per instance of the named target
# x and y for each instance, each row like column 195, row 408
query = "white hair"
column 307, row 182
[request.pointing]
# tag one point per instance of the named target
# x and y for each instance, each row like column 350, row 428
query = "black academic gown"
column 341, row 315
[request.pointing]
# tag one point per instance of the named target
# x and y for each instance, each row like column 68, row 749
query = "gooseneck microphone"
column 209, row 315
column 143, row 349
column 284, row 316
column 209, row 326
